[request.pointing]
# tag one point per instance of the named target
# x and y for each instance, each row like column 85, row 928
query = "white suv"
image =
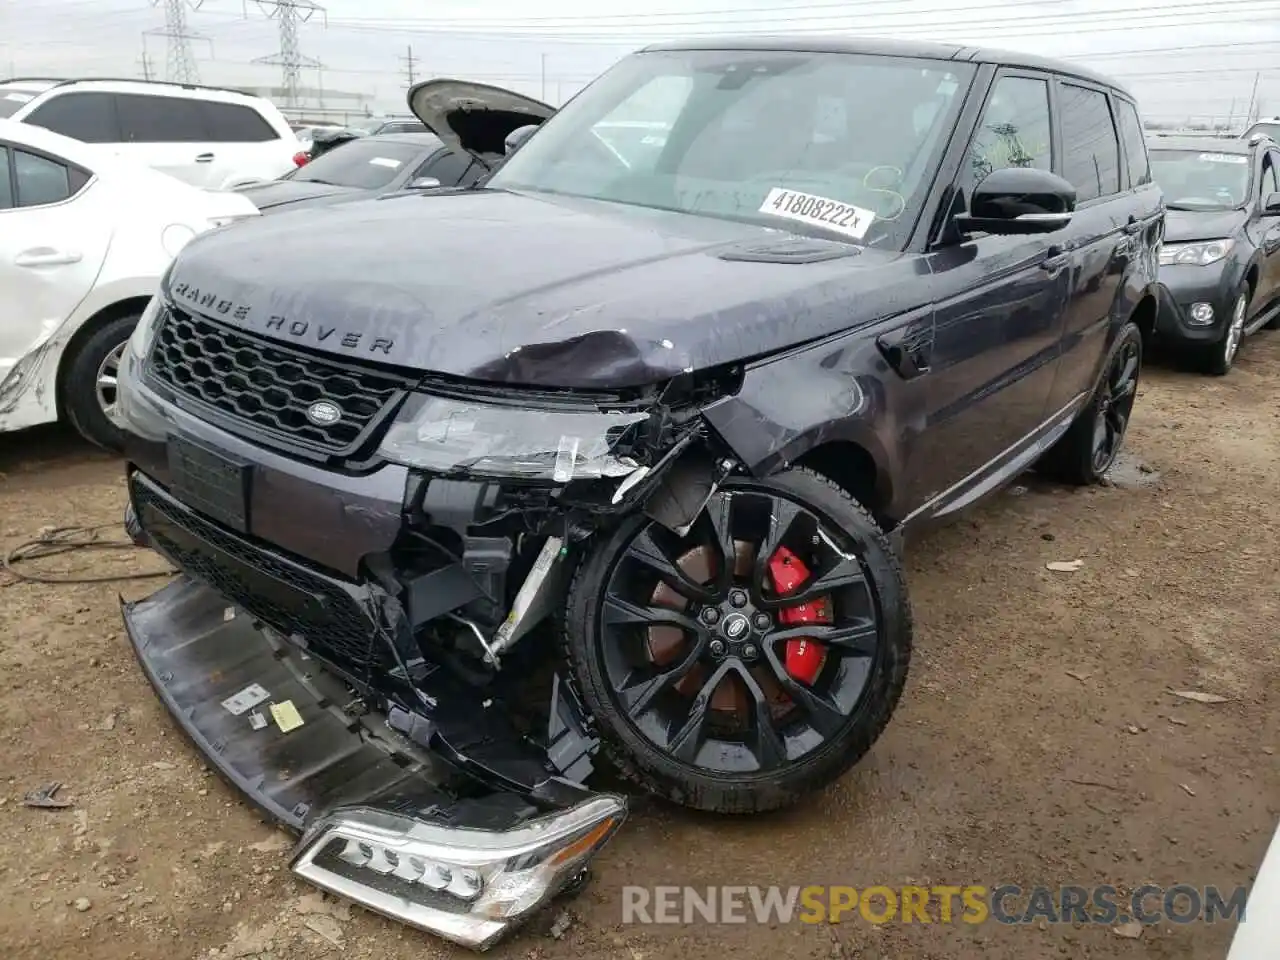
column 205, row 136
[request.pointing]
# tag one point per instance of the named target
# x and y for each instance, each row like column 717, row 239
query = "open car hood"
column 474, row 117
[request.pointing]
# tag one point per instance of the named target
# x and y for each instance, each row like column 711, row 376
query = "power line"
column 290, row 59
column 755, row 25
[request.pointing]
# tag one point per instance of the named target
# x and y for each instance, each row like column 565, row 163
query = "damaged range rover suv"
column 602, row 457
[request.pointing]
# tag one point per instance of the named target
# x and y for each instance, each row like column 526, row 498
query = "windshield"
column 1271, row 130
column 13, row 99
column 361, row 164
column 789, row 140
column 1201, row 180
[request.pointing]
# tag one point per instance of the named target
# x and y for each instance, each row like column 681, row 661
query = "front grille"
column 254, row 382
column 280, row 592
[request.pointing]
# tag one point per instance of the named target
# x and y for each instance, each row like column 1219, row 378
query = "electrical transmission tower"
column 289, row 58
column 180, row 62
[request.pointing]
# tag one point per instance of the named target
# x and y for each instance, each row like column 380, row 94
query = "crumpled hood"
column 529, row 290
column 1184, row 225
column 275, row 193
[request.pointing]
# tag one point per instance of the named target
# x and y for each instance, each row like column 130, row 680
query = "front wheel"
column 1219, row 357
column 89, row 382
column 751, row 661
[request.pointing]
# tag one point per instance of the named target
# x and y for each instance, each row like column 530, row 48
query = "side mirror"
column 1271, row 206
column 423, row 183
column 1019, row 200
column 516, row 138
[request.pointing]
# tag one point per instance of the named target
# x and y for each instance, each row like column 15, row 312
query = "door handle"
column 1056, row 259
column 204, row 158
column 1134, row 226
column 47, row 257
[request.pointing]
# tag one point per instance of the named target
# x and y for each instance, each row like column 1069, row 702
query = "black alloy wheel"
column 750, row 661
column 1090, row 446
column 1115, row 405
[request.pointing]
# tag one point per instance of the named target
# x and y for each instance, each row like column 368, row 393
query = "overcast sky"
column 1181, row 57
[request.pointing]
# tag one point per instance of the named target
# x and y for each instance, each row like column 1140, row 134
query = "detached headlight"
column 145, row 331
column 1195, row 254
column 494, row 440
column 467, row 885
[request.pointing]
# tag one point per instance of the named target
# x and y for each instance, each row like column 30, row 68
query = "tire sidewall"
column 682, row 782
column 79, row 382
column 1223, row 362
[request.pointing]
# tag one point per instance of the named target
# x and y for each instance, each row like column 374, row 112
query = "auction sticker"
column 1222, row 158
column 819, row 211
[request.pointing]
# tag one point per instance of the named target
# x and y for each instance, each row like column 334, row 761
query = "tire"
column 865, row 553
column 1075, row 458
column 80, row 391
column 1218, row 358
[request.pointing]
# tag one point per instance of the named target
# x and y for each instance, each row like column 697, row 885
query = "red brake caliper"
column 804, row 656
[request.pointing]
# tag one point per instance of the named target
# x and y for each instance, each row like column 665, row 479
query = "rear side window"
column 448, row 167
column 1135, row 144
column 1091, row 149
column 1270, row 184
column 6, row 179
column 39, row 180
column 13, row 99
column 1015, row 129
column 148, row 119
column 234, row 123
column 88, row 117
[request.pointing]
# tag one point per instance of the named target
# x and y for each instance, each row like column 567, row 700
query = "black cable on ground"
column 57, row 540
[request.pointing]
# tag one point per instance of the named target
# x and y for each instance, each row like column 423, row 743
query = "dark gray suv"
column 606, row 455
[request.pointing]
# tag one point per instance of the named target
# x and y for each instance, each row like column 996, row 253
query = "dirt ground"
column 1038, row 740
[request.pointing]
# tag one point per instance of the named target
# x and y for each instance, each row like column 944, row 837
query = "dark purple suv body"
column 605, row 457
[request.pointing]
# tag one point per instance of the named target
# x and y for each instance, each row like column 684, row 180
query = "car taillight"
column 300, row 158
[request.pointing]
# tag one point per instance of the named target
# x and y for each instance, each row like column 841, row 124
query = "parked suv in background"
column 205, row 136
column 1220, row 264
column 676, row 400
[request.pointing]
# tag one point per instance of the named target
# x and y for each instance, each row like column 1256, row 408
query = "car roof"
column 921, row 49
column 129, row 85
column 423, row 140
column 30, row 135
column 99, row 159
column 1203, row 144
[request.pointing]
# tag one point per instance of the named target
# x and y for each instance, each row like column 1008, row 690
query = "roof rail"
column 63, row 82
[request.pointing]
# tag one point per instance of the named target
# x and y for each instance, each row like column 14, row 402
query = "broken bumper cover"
column 383, row 824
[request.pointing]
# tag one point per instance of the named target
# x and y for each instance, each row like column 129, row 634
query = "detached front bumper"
column 383, row 823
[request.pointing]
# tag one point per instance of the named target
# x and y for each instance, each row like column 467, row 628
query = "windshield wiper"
column 1202, row 208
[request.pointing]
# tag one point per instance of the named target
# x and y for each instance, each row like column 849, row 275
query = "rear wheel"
column 90, row 382
column 1089, row 448
column 750, row 661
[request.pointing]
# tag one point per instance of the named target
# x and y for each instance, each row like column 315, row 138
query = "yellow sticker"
column 286, row 716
